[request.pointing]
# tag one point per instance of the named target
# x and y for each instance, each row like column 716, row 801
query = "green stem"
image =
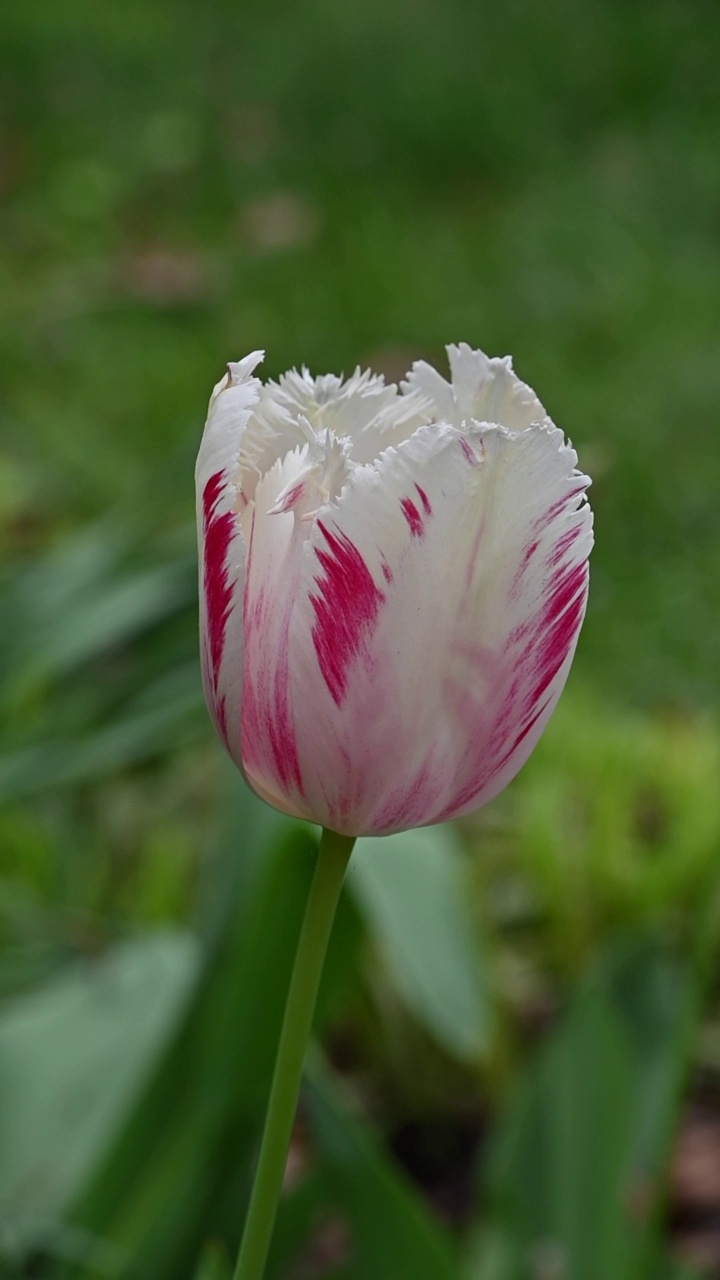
column 332, row 861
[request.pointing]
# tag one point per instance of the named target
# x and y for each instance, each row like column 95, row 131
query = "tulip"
column 392, row 585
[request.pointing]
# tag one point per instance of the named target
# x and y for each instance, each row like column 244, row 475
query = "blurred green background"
column 517, row 1068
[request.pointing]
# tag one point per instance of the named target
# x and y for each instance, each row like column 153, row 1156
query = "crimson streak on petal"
column 218, row 532
column 346, row 609
column 558, row 628
column 268, row 728
column 413, row 517
column 267, row 734
column 546, row 642
column 561, row 505
column 425, row 500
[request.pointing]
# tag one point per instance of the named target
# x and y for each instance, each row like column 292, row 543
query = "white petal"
column 361, row 407
column 425, row 380
column 481, row 388
column 271, row 433
column 221, row 545
column 231, row 403
column 440, row 606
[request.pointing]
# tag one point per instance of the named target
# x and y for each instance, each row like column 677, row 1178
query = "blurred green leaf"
column 577, row 1169
column 214, row 1264
column 83, row 598
column 495, row 1255
column 411, row 891
column 130, row 740
column 304, row 1208
column 109, row 615
column 490, row 1254
column 676, row 1270
column 72, row 1058
column 393, row 1234
column 181, row 1171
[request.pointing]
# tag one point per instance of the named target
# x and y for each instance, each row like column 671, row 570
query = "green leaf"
column 72, row 1057
column 676, row 1270
column 490, row 1255
column 302, row 1208
column 108, row 617
column 410, row 889
column 129, row 740
column 577, row 1167
column 393, row 1233
column 214, row 1264
column 181, row 1171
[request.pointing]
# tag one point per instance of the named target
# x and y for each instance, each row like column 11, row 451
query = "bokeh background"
column 517, row 1067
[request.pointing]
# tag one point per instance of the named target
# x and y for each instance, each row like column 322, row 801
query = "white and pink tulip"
column 393, row 581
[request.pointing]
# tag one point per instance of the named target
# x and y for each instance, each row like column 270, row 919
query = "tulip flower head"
column 392, row 584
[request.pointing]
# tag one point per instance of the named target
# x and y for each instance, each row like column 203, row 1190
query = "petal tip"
column 238, row 371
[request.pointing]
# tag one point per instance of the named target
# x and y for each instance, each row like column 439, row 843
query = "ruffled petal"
column 222, row 547
column 481, row 388
column 371, row 414
column 434, row 627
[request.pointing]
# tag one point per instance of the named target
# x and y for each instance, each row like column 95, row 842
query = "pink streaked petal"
column 424, row 500
column 346, row 608
column 289, row 499
column 218, row 529
column 268, row 734
column 451, row 674
column 413, row 517
column 229, row 413
column 221, row 650
column 537, row 670
column 221, row 545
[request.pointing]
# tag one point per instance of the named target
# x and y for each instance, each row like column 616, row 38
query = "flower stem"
column 332, row 861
